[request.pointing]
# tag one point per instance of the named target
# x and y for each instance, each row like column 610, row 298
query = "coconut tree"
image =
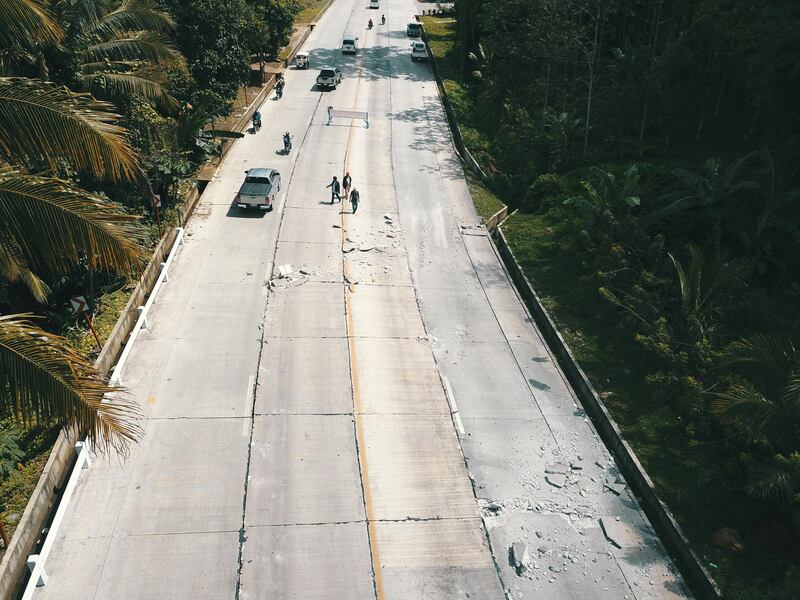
column 46, row 223
column 51, row 381
column 767, row 410
column 118, row 48
column 703, row 280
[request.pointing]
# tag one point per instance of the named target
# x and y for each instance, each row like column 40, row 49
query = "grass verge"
column 309, row 11
column 486, row 203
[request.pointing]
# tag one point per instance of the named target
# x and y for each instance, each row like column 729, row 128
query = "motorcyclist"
column 370, row 24
column 287, row 142
column 279, row 83
column 256, row 121
column 383, row 19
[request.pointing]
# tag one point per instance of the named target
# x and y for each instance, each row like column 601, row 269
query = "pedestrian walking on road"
column 347, row 183
column 335, row 189
column 354, row 198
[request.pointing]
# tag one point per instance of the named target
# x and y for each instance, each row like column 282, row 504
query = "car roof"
column 349, row 36
column 302, row 54
column 260, row 172
column 329, row 67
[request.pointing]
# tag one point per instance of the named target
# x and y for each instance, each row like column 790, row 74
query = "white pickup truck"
column 259, row 189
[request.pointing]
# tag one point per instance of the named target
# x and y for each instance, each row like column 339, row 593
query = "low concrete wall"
column 455, row 130
column 664, row 523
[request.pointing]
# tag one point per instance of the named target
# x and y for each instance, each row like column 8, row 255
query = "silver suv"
column 329, row 77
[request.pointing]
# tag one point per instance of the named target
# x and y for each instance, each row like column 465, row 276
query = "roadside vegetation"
column 652, row 149
column 103, row 105
column 309, row 10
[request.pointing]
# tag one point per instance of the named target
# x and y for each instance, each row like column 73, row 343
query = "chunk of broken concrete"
column 617, row 488
column 519, row 556
column 556, row 467
column 558, row 480
column 612, row 531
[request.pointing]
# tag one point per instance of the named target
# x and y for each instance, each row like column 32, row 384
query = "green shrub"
column 10, row 453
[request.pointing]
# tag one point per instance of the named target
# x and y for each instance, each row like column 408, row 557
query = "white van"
column 418, row 51
column 374, row 4
column 349, row 43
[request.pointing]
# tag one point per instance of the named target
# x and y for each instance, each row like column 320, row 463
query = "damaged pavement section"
column 574, row 531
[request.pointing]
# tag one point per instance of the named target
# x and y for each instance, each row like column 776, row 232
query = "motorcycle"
column 369, row 26
column 256, row 122
column 383, row 19
column 279, row 89
column 287, row 143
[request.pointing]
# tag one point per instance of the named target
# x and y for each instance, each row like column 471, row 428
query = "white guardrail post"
column 36, row 561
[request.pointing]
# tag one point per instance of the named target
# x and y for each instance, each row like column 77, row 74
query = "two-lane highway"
column 383, row 421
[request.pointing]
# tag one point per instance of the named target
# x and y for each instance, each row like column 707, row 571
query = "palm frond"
column 104, row 66
column 133, row 15
column 51, row 381
column 116, row 86
column 26, row 21
column 766, row 359
column 704, row 278
column 746, row 406
column 779, row 479
column 54, row 224
column 142, row 45
column 41, row 123
column 14, row 268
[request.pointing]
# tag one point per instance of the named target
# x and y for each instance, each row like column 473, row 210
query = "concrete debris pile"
column 554, row 533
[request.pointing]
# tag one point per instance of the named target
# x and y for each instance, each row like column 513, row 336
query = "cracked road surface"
column 378, row 420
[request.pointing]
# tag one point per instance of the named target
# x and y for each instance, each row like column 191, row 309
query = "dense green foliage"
column 218, row 39
column 652, row 149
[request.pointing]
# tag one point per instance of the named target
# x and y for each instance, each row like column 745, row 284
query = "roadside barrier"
column 334, row 113
column 36, row 562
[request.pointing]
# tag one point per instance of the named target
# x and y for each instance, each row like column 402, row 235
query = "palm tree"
column 47, row 223
column 118, row 48
column 26, row 20
column 703, row 280
column 767, row 410
column 51, row 381
column 770, row 407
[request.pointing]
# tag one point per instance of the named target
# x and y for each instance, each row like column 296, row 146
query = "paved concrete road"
column 385, row 421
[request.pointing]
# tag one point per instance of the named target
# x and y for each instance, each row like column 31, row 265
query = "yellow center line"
column 360, row 438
